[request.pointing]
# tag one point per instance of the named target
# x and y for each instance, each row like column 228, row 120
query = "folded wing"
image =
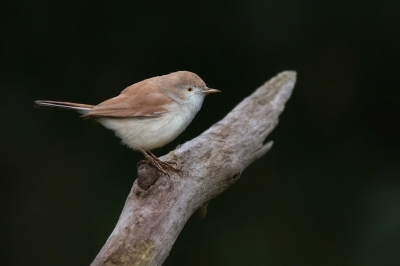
column 141, row 100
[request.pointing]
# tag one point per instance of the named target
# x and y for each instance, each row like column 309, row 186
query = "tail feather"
column 79, row 107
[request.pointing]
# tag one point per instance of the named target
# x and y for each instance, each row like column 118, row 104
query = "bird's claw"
column 162, row 166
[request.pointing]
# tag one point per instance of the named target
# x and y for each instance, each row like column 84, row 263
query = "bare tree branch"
column 158, row 207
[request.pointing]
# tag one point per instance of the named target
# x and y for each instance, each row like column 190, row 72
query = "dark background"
column 328, row 193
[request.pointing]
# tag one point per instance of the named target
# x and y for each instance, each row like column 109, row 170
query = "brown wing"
column 140, row 100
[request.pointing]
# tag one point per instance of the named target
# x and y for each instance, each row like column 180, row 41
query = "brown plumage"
column 145, row 98
column 80, row 107
column 142, row 99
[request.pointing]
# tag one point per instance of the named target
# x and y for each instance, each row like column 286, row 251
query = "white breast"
column 151, row 133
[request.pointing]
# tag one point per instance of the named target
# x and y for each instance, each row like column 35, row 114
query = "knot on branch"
column 147, row 175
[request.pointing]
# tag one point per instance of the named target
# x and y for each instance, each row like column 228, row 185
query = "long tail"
column 79, row 107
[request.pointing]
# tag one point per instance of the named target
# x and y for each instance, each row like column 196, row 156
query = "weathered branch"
column 158, row 207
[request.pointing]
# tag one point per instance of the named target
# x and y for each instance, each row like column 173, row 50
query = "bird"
column 148, row 114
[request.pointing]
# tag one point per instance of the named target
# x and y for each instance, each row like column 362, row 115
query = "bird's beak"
column 209, row 91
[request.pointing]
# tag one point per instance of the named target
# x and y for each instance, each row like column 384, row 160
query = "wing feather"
column 141, row 100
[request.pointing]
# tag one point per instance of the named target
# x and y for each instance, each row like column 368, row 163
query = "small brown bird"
column 148, row 114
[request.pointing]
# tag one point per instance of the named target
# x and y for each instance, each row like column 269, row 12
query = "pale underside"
column 152, row 132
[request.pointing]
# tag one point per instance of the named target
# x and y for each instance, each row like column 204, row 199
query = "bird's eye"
column 189, row 89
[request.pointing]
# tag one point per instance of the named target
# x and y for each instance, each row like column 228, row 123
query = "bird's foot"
column 162, row 166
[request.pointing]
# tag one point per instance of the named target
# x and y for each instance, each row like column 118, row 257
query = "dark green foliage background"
column 328, row 193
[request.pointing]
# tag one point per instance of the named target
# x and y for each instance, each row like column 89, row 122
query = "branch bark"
column 158, row 207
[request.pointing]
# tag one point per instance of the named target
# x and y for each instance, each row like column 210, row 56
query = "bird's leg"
column 167, row 164
column 153, row 162
column 157, row 163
